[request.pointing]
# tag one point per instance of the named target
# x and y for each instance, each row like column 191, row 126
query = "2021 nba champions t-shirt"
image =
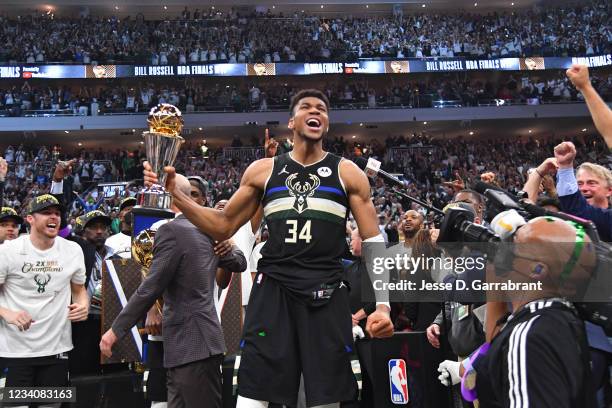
column 38, row 282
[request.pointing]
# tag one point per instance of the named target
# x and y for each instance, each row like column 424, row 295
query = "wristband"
column 468, row 381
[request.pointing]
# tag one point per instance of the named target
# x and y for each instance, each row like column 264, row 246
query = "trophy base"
column 151, row 198
column 144, row 218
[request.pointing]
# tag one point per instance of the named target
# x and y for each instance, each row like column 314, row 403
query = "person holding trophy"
column 297, row 292
column 182, row 267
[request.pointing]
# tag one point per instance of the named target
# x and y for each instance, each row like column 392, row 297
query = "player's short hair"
column 307, row 93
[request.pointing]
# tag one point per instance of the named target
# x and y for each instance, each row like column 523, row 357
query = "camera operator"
column 540, row 356
column 465, row 333
column 463, row 328
column 587, row 195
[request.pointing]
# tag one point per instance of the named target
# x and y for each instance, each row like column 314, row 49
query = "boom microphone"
column 371, row 167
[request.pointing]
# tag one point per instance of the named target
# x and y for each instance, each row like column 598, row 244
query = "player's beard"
column 304, row 136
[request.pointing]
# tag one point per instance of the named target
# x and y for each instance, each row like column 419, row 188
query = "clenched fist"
column 565, row 153
column 379, row 323
column 579, row 75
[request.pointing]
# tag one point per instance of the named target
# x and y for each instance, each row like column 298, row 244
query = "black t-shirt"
column 392, row 235
column 539, row 359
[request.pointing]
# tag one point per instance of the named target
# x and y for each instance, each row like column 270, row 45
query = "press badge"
column 463, row 311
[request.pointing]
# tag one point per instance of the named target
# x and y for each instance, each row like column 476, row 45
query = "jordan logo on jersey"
column 301, row 190
column 283, row 171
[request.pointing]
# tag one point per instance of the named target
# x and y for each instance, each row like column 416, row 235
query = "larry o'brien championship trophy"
column 162, row 143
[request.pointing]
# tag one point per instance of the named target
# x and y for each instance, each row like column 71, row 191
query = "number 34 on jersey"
column 293, row 235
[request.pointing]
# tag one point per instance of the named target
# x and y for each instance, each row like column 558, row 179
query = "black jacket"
column 89, row 250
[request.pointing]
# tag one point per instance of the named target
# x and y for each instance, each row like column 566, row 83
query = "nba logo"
column 398, row 381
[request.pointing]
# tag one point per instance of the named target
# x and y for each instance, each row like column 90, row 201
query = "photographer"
column 463, row 328
column 540, row 356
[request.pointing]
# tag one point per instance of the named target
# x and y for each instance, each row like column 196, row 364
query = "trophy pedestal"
column 154, row 198
column 144, row 217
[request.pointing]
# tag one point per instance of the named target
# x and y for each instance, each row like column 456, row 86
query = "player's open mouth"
column 313, row 124
column 52, row 225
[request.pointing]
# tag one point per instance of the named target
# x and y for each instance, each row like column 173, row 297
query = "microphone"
column 371, row 167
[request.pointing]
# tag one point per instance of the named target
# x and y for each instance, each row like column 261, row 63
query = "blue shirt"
column 566, row 182
column 572, row 202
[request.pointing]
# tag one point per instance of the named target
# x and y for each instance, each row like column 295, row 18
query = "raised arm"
column 600, row 112
column 534, row 179
column 221, row 224
column 3, row 172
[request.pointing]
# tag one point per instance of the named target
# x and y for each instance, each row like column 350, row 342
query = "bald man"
column 183, row 270
column 540, row 357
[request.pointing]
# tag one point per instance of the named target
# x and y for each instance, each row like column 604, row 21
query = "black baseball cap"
column 42, row 202
column 202, row 185
column 7, row 213
column 127, row 202
column 97, row 215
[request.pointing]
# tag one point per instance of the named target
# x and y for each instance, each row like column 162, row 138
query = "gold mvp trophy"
column 162, row 143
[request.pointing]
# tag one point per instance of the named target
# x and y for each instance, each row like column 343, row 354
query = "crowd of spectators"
column 240, row 96
column 216, row 36
column 429, row 165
